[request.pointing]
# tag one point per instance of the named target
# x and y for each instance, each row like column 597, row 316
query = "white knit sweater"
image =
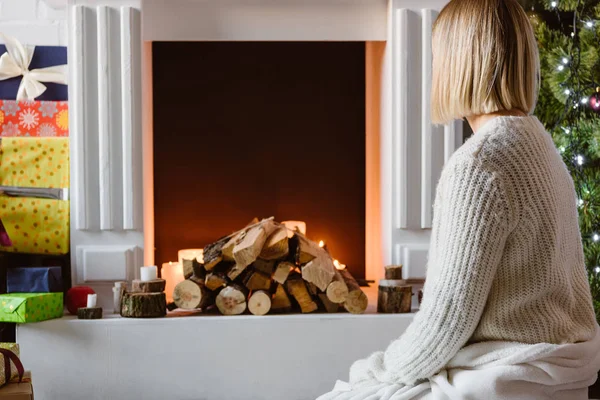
column 506, row 259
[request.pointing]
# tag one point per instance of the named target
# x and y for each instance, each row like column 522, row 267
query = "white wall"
column 33, row 22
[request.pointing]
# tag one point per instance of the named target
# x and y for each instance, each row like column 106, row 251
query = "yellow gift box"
column 34, row 206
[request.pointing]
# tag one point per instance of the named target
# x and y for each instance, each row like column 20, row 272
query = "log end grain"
column 259, row 303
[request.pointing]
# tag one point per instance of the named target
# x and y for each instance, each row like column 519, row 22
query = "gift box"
column 16, row 390
column 34, row 206
column 42, row 57
column 10, row 365
column 30, row 307
column 34, row 280
column 34, row 118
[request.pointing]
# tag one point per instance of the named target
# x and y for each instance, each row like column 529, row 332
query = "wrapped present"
column 34, row 118
column 30, row 307
column 34, row 280
column 18, row 389
column 24, row 68
column 34, row 206
column 10, row 364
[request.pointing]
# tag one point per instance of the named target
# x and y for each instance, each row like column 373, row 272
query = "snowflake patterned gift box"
column 30, row 307
column 34, row 182
column 34, row 118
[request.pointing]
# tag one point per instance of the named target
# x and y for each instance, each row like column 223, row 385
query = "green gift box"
column 30, row 307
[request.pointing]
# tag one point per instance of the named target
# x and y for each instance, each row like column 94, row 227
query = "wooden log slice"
column 280, row 302
column 215, row 280
column 393, row 272
column 89, row 313
column 356, row 301
column 276, row 245
column 153, row 286
column 192, row 294
column 337, row 291
column 297, row 288
column 282, row 271
column 231, row 300
column 393, row 298
column 144, row 305
column 259, row 303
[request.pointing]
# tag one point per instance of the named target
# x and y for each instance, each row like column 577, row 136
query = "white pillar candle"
column 190, row 254
column 172, row 273
column 292, row 225
column 91, row 301
column 148, row 273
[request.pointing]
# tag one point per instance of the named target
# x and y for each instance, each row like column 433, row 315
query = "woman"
column 507, row 310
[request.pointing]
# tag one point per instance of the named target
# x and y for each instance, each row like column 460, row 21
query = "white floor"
column 286, row 357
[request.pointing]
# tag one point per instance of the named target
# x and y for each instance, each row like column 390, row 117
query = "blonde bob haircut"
column 485, row 59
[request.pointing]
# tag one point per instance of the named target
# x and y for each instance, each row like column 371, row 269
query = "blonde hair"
column 485, row 59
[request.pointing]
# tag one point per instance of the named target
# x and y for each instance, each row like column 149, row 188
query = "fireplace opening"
column 259, row 129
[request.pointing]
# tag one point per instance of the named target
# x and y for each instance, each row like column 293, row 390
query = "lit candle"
column 339, row 265
column 293, row 225
column 91, row 301
column 190, row 254
column 148, row 273
column 172, row 273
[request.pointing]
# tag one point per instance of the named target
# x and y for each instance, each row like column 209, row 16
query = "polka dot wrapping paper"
column 30, row 307
column 34, row 118
column 35, row 225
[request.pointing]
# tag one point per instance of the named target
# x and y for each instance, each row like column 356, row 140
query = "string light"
column 572, row 34
column 580, row 202
column 567, row 92
column 589, row 24
column 567, row 130
column 584, row 100
column 554, row 4
column 580, row 160
column 561, row 67
column 597, row 270
column 561, row 149
column 565, row 60
column 596, row 237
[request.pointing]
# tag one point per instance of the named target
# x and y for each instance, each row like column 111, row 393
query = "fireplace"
column 259, row 129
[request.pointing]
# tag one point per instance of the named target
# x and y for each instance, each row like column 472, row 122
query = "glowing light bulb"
column 580, row 202
column 567, row 130
column 597, row 270
column 321, row 243
column 561, row 149
column 589, row 24
column 580, row 160
column 561, row 67
column 596, row 237
column 567, row 92
column 584, row 100
column 554, row 4
column 572, row 34
column 565, row 60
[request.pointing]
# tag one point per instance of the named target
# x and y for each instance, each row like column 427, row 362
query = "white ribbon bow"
column 15, row 62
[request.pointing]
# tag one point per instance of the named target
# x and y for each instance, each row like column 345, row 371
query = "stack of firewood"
column 267, row 268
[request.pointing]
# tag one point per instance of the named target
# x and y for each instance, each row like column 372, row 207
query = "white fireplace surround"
column 292, row 357
column 111, row 120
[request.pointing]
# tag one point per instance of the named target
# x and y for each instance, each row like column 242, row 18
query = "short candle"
column 172, row 273
column 91, row 300
column 148, row 273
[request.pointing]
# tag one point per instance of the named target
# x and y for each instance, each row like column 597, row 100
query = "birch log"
column 259, row 303
column 356, row 301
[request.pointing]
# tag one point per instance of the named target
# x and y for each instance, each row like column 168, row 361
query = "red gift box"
column 34, row 118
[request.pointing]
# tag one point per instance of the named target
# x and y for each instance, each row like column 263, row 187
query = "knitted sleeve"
column 470, row 227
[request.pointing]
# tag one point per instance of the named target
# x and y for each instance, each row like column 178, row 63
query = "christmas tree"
column 568, row 33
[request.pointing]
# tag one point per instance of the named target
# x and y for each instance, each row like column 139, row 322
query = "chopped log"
column 144, row 305
column 297, row 288
column 276, row 245
column 312, row 288
column 249, row 247
column 337, row 291
column 192, row 294
column 329, row 305
column 393, row 297
column 356, row 301
column 193, row 267
column 281, row 302
column 282, row 271
column 319, row 271
column 198, row 270
column 213, row 253
column 257, row 281
column 393, row 272
column 215, row 280
column 153, row 286
column 232, row 300
column 259, row 303
column 227, row 250
column 307, row 250
column 89, row 313
column 264, row 266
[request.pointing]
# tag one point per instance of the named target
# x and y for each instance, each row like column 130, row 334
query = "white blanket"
column 497, row 370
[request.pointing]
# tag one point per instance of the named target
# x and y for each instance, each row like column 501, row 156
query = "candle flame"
column 321, row 243
column 339, row 265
